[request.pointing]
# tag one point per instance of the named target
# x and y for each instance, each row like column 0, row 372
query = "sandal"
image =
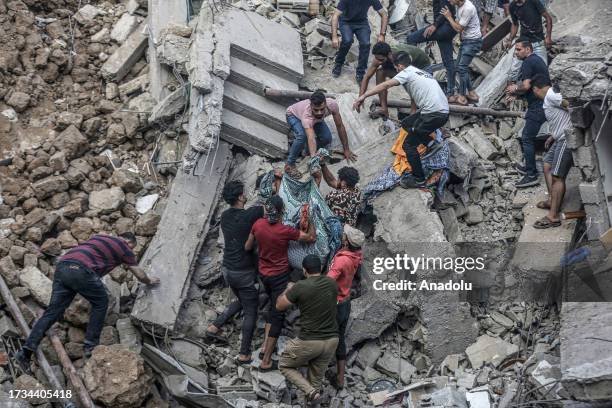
column 545, row 222
column 314, row 397
column 215, row 338
column 273, row 367
column 461, row 100
column 544, row 205
column 243, row 362
column 472, row 97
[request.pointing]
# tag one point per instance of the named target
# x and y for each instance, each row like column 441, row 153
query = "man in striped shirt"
column 80, row 271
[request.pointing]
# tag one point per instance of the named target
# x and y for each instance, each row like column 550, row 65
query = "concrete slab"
column 260, row 40
column 538, row 251
column 586, row 355
column 255, row 77
column 252, row 135
column 200, row 63
column 190, row 205
column 123, row 59
column 255, row 106
column 493, row 84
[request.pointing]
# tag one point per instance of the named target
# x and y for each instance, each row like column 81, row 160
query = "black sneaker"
column 527, row 181
column 408, row 181
column 23, row 361
column 87, row 350
column 520, row 169
column 337, row 70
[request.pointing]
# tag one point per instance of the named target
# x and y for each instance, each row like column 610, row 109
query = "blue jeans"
column 533, row 123
column 467, row 52
column 444, row 37
column 322, row 132
column 71, row 278
column 362, row 32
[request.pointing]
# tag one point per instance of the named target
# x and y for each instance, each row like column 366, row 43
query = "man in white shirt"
column 468, row 24
column 426, row 94
column 558, row 159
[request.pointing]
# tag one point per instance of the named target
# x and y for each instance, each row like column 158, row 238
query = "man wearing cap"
column 342, row 269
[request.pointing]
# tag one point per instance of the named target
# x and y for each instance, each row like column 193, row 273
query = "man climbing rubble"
column 238, row 267
column 353, row 18
column 307, row 121
column 316, row 298
column 558, row 160
column 80, row 271
column 442, row 33
column 345, row 197
column 342, row 269
column 383, row 67
column 468, row 25
column 528, row 14
column 535, row 117
column 272, row 239
column 426, row 94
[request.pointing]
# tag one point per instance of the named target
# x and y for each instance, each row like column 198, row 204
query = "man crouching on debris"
column 558, row 160
column 342, row 269
column 80, row 271
column 307, row 121
column 317, row 341
column 426, row 94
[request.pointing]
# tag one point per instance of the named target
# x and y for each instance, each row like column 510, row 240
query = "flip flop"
column 544, row 223
column 273, row 367
column 544, row 205
column 462, row 101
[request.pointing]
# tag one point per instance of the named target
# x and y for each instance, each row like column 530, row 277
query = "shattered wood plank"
column 180, row 233
column 496, row 34
column 123, row 59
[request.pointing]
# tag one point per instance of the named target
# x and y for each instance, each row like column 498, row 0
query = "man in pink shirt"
column 343, row 269
column 307, row 121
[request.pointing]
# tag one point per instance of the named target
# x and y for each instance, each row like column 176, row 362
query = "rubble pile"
column 79, row 150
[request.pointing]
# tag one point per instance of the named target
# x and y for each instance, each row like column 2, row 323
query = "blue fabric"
column 322, row 132
column 467, row 52
column 530, row 131
column 444, row 37
column 362, row 32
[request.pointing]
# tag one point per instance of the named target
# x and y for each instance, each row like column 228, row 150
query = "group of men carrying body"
column 324, row 298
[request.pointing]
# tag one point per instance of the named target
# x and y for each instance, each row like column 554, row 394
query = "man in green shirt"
column 316, row 343
column 383, row 66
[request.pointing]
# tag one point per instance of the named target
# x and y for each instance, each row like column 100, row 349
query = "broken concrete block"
column 269, row 385
column 450, row 364
column 474, row 215
column 478, row 399
column 480, row 143
column 548, row 378
column 463, row 157
column 397, row 367
column 253, row 136
column 200, row 62
column 370, row 316
column 368, row 354
column 492, row 86
column 136, row 85
column 490, row 350
column 123, row 59
column 169, row 107
column 174, row 51
column 586, row 361
column 124, row 27
column 37, row 283
column 87, row 13
column 7, row 328
column 448, row 397
column 107, row 200
column 129, row 336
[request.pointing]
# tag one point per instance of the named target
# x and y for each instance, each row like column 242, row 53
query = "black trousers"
column 71, row 278
column 343, row 311
column 274, row 287
column 242, row 283
column 419, row 126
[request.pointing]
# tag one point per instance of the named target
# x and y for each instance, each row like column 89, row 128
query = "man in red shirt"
column 273, row 242
column 343, row 267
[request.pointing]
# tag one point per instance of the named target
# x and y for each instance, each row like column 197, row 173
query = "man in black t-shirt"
column 534, row 118
column 238, row 267
column 353, row 18
column 528, row 14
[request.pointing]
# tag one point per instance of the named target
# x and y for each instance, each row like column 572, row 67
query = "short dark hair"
column 525, row 42
column 312, row 264
column 381, row 48
column 540, row 81
column 402, row 58
column 232, row 191
column 317, row 97
column 129, row 237
column 277, row 203
column 349, row 175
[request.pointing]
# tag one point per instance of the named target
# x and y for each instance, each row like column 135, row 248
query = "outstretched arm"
column 377, row 89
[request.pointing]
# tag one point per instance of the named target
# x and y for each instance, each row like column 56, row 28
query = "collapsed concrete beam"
column 586, row 352
column 123, row 59
column 256, row 79
column 190, row 206
column 492, row 86
column 496, row 34
column 170, row 106
column 200, row 63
